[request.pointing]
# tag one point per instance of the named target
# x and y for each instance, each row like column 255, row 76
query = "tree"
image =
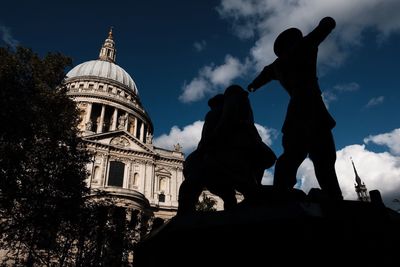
column 108, row 234
column 42, row 159
column 206, row 204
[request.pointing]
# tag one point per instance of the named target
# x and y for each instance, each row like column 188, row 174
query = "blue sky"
column 180, row 53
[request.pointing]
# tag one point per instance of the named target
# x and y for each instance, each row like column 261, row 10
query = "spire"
column 108, row 51
column 358, row 179
column 360, row 187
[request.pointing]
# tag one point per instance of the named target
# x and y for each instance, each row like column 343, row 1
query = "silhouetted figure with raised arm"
column 308, row 124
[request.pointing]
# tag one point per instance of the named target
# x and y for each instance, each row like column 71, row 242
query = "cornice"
column 152, row 156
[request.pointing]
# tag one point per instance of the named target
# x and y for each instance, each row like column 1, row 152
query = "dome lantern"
column 108, row 51
column 104, row 67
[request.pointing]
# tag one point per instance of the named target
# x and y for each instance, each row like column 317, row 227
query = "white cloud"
column 375, row 101
column 379, row 171
column 347, row 87
column 196, row 90
column 200, row 45
column 391, row 140
column 267, row 18
column 268, row 178
column 188, row 137
column 331, row 95
column 211, row 78
column 7, row 37
column 224, row 74
column 328, row 97
column 267, row 134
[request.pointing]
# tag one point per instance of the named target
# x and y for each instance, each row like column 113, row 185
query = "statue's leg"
column 229, row 198
column 294, row 153
column 259, row 174
column 189, row 193
column 323, row 156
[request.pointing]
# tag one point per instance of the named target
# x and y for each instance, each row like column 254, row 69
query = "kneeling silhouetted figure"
column 230, row 156
column 197, row 175
column 240, row 153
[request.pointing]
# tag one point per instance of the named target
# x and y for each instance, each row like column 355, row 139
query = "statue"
column 238, row 152
column 149, row 138
column 194, row 171
column 308, row 124
column 121, row 121
column 89, row 125
column 177, row 148
column 227, row 157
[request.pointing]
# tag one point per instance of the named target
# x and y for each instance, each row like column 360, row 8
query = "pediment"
column 119, row 139
column 162, row 170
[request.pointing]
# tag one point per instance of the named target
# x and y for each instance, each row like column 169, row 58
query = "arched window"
column 116, row 173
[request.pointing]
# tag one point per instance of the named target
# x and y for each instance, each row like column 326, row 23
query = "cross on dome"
column 110, row 33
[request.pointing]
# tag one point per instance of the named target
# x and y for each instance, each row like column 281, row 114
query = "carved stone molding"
column 118, row 158
column 120, row 141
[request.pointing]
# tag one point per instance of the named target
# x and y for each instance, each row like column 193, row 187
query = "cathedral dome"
column 107, row 97
column 103, row 69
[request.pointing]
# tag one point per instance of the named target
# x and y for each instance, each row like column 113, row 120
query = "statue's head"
column 286, row 40
column 216, row 101
column 235, row 90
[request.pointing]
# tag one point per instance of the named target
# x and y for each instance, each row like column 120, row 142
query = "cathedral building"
column 118, row 133
column 134, row 183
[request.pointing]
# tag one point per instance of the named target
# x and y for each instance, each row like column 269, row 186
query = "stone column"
column 103, row 170
column 101, row 123
column 131, row 174
column 126, row 121
column 141, row 131
column 176, row 184
column 115, row 120
column 141, row 176
column 136, row 120
column 149, row 180
column 127, row 175
column 173, row 183
column 88, row 113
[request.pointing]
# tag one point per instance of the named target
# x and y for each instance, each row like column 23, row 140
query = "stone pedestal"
column 278, row 231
